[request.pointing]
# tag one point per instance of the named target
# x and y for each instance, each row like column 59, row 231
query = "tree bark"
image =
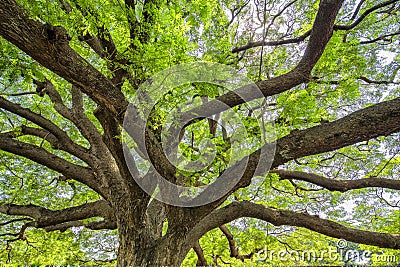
column 138, row 247
column 140, row 252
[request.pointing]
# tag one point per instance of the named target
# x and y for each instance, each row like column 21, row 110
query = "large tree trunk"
column 140, row 252
column 141, row 242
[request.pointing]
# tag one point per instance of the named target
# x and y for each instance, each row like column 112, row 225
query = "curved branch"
column 364, row 15
column 338, row 185
column 301, row 38
column 201, row 260
column 385, row 37
column 381, row 119
column 362, row 78
column 72, row 148
column 283, row 217
column 367, row 80
column 45, row 158
column 33, row 117
column 15, row 220
column 231, row 241
column 52, row 219
column 96, row 225
column 52, row 133
column 272, row 43
column 102, row 44
column 49, row 46
column 320, row 35
column 85, row 126
column 232, row 246
column 353, row 17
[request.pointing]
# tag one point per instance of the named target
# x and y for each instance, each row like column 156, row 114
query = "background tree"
column 328, row 72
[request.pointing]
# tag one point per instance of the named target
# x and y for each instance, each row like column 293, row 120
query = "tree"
column 327, row 72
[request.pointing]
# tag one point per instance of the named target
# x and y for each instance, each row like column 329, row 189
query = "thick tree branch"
column 103, row 162
column 102, row 44
column 45, row 158
column 76, row 116
column 95, row 44
column 283, row 217
column 381, row 119
column 320, row 35
column 55, row 143
column 53, row 219
column 49, row 46
column 33, row 117
column 115, row 147
column 96, row 225
column 338, row 185
column 231, row 241
column 52, row 133
column 104, row 48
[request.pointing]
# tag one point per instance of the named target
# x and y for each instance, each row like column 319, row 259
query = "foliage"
column 358, row 68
